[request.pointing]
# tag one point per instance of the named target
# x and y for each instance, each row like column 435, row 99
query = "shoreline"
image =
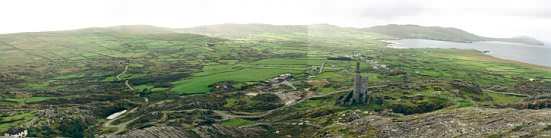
column 396, row 45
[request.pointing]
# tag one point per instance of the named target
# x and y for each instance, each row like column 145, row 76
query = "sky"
column 493, row 18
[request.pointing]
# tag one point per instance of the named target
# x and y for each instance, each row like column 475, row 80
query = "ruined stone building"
column 359, row 94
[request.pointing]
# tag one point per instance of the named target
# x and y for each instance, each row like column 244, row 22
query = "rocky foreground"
column 463, row 122
column 202, row 131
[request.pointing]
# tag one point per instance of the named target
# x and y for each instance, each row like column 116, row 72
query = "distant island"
column 442, row 34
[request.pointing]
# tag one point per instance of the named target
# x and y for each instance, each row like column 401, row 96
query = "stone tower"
column 359, row 94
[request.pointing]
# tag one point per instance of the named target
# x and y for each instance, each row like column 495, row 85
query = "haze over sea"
column 532, row 54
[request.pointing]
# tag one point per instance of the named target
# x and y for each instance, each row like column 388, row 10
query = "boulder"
column 466, row 86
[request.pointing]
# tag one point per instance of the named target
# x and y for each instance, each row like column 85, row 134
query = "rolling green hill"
column 442, row 34
column 93, row 43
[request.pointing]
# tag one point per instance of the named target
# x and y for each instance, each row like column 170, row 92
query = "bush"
column 73, row 128
column 424, row 106
column 265, row 102
column 42, row 132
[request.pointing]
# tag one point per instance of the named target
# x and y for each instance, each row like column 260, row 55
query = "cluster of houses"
column 281, row 78
column 16, row 133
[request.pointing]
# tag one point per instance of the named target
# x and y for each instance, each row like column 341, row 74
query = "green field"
column 7, row 122
column 200, row 84
column 237, row 122
column 29, row 100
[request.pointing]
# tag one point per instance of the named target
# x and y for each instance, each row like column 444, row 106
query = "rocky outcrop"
column 533, row 104
column 216, row 131
column 156, row 132
column 206, row 131
column 534, row 87
column 466, row 86
column 463, row 122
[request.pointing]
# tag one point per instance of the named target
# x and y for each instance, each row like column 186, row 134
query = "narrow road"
column 122, row 73
column 126, row 82
column 122, row 126
column 284, row 107
column 227, row 115
column 128, row 85
column 507, row 93
column 321, row 68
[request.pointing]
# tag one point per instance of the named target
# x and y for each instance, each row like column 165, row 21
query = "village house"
column 16, row 133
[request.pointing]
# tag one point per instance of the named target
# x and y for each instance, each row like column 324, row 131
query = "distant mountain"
column 244, row 30
column 267, row 32
column 125, row 29
column 441, row 33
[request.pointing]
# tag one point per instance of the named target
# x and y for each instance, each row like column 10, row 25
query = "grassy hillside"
column 218, row 81
column 442, row 34
column 420, row 32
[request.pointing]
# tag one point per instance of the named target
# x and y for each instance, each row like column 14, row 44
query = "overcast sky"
column 495, row 18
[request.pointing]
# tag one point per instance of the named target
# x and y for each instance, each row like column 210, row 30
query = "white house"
column 16, row 133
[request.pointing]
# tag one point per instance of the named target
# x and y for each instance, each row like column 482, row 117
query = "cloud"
column 534, row 13
column 392, row 9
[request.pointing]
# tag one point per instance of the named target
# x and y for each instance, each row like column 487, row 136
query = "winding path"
column 122, row 73
column 226, row 115
column 507, row 93
column 126, row 82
